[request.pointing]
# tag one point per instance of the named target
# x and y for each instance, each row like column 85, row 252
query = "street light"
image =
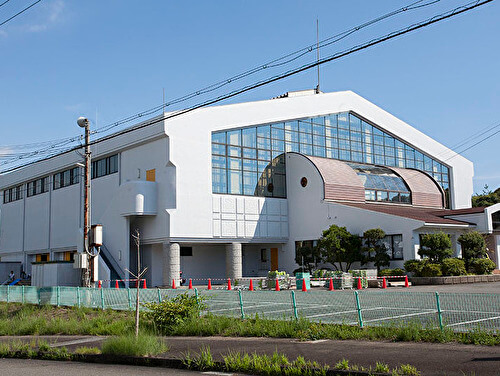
column 87, row 273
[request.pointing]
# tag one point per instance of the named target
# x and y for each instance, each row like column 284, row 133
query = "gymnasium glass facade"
column 244, row 160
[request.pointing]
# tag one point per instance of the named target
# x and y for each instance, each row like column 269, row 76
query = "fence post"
column 197, row 301
column 159, row 296
column 58, row 296
column 294, row 305
column 241, row 305
column 78, row 298
column 8, row 293
column 22, row 294
column 440, row 316
column 39, row 290
column 358, row 307
column 102, row 298
column 129, row 299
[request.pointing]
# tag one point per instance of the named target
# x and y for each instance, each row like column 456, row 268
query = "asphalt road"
column 430, row 358
column 27, row 367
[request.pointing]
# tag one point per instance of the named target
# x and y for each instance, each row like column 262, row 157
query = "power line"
column 286, row 59
column 440, row 17
column 20, row 12
column 273, row 63
column 5, row 2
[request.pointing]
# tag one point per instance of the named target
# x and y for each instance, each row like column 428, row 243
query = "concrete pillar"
column 171, row 263
column 234, row 261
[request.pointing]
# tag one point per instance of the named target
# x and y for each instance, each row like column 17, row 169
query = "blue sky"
column 110, row 59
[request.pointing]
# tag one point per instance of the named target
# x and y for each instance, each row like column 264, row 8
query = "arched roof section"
column 424, row 190
column 340, row 180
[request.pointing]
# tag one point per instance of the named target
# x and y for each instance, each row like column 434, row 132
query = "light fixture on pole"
column 87, row 272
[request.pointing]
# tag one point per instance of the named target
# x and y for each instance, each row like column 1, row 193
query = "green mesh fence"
column 457, row 311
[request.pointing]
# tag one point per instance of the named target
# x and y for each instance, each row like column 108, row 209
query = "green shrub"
column 430, row 270
column 131, row 345
column 170, row 313
column 473, row 246
column 414, row 266
column 436, row 247
column 392, row 272
column 453, row 266
column 482, row 266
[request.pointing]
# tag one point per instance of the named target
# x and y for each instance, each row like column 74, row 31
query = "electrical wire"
column 440, row 17
column 5, row 2
column 272, row 63
column 20, row 12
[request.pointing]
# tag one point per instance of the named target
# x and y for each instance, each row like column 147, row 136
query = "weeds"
column 17, row 319
column 129, row 345
column 32, row 350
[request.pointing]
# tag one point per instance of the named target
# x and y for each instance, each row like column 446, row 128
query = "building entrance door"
column 274, row 259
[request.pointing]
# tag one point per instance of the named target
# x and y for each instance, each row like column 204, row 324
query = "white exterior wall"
column 309, row 214
column 249, row 218
column 179, row 149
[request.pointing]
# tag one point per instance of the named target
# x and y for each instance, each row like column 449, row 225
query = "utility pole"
column 88, row 272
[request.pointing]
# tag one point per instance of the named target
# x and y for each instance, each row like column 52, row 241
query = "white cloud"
column 5, row 152
column 52, row 13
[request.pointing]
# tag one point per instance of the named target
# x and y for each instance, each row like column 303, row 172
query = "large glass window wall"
column 381, row 184
column 241, row 156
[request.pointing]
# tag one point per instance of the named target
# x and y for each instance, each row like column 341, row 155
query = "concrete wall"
column 55, row 274
column 249, row 217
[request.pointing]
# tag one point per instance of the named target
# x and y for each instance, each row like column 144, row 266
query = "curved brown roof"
column 424, row 190
column 341, row 181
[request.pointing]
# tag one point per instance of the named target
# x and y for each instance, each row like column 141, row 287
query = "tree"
column 308, row 256
column 436, row 247
column 473, row 247
column 339, row 247
column 486, row 198
column 374, row 250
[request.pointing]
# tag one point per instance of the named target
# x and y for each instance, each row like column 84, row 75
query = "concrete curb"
column 462, row 279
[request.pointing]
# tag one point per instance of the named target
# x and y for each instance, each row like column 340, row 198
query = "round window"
column 303, row 182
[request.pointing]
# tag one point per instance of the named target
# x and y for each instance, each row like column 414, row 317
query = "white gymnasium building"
column 228, row 191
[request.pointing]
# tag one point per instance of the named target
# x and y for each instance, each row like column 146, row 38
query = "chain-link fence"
column 457, row 311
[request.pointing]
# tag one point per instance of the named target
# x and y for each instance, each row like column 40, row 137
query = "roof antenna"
column 317, row 52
